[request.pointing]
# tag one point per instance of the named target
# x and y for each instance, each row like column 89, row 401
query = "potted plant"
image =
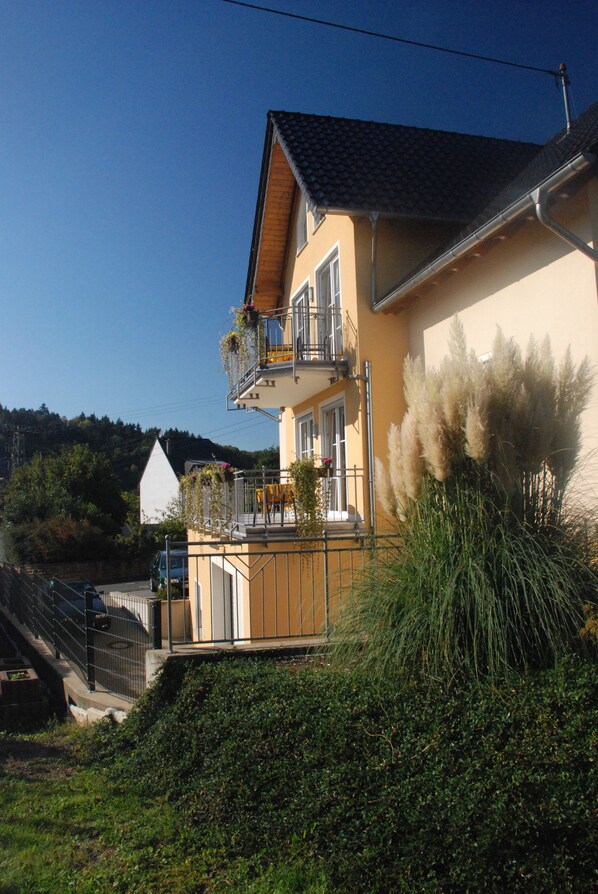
column 227, row 472
column 310, row 499
column 325, row 469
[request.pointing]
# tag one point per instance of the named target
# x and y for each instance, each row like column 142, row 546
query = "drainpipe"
column 366, row 378
column 367, row 370
column 374, row 219
column 540, row 198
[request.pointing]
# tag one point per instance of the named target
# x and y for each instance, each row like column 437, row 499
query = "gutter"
column 577, row 165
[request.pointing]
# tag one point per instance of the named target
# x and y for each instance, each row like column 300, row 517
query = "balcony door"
column 329, row 307
column 301, row 325
column 334, row 445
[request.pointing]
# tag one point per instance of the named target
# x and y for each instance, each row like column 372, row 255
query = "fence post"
column 326, row 593
column 168, row 594
column 156, row 623
column 52, row 586
column 89, row 643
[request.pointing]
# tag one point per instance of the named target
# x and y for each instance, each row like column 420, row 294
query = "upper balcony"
column 287, row 357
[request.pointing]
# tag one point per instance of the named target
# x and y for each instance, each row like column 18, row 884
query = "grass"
column 65, row 827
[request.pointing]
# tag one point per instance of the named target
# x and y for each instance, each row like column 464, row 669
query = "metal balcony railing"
column 264, row 501
column 294, row 336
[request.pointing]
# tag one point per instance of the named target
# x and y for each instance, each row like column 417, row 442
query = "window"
column 329, row 303
column 301, row 223
column 318, row 218
column 304, row 430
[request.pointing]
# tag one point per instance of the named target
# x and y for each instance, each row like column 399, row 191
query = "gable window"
column 301, row 222
column 304, row 432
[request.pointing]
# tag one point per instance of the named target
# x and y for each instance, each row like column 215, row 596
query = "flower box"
column 20, row 685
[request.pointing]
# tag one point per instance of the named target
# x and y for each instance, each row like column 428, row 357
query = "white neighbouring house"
column 159, row 486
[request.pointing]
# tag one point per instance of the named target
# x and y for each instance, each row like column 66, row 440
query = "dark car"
column 70, row 603
column 179, row 569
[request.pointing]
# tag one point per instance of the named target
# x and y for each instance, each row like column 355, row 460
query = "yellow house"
column 368, row 238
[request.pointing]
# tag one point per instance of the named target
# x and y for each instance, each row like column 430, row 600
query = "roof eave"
column 580, row 163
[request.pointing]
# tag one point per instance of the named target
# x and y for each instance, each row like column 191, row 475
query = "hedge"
column 470, row 789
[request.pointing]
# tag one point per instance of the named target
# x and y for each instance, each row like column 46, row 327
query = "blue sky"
column 132, row 135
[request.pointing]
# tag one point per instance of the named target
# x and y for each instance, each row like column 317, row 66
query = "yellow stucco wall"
column 365, row 336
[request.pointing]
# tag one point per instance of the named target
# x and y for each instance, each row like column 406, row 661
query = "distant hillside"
column 126, row 445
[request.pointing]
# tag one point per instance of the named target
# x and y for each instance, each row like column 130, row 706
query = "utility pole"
column 15, row 447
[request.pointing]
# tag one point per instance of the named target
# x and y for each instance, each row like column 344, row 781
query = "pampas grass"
column 494, row 567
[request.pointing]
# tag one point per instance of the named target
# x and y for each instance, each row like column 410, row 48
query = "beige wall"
column 530, row 284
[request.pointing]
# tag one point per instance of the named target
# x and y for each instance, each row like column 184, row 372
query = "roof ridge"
column 397, row 126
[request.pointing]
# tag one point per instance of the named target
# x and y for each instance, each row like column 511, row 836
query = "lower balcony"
column 265, row 503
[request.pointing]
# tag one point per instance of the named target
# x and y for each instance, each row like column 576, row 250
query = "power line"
column 394, row 38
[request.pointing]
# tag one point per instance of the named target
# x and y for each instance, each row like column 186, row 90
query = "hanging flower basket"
column 252, row 315
column 227, row 473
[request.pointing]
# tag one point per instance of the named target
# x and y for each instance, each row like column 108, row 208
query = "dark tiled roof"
column 554, row 155
column 583, row 136
column 344, row 164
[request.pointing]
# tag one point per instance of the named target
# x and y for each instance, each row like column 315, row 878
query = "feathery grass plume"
column 414, row 383
column 412, row 462
column 435, row 441
column 455, row 384
column 477, row 433
column 573, row 392
column 384, row 489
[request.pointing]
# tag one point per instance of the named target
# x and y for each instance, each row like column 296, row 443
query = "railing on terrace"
column 265, row 501
column 272, row 594
column 294, row 336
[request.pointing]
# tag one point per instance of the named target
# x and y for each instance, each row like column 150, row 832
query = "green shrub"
column 412, row 789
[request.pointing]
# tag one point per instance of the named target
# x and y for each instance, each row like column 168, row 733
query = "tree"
column 63, row 507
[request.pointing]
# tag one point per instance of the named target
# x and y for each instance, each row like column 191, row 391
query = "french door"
column 334, row 445
column 329, row 306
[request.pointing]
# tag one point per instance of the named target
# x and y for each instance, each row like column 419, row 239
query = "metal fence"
column 103, row 641
column 277, row 591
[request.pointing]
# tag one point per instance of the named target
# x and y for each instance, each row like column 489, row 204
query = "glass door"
column 301, row 329
column 334, row 445
column 329, row 306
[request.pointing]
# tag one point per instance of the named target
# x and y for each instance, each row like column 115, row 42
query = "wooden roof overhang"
column 265, row 281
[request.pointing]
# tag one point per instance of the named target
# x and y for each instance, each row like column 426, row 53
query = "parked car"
column 179, row 570
column 70, row 602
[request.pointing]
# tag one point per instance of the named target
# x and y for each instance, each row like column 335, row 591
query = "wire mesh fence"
column 104, row 641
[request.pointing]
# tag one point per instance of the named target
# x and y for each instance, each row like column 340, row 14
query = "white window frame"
column 331, row 337
column 339, row 482
column 303, row 326
column 304, row 418
column 301, row 222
